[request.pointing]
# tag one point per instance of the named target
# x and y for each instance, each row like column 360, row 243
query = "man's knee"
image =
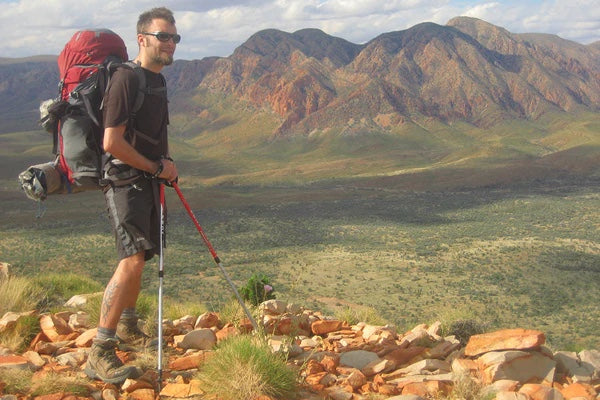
column 134, row 262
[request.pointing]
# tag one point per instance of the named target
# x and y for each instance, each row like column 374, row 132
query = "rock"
column 199, row 339
column 427, row 389
column 273, row 307
column 521, row 366
column 54, row 328
column 568, row 362
column 10, row 319
column 14, row 362
column 403, row 356
column 86, row 338
column 79, row 320
column 72, row 359
column 377, row 366
column 507, row 339
column 591, row 358
column 427, row 366
column 192, row 361
column 356, row 379
column 80, row 300
column 541, row 392
column 323, row 327
column 34, row 359
column 358, row 358
column 207, row 320
column 579, row 390
column 142, row 394
column 505, row 395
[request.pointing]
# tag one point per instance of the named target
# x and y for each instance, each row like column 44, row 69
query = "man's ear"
column 141, row 40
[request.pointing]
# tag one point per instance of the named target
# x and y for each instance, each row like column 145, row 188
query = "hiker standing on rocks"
column 134, row 208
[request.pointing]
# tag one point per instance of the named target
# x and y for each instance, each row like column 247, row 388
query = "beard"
column 163, row 59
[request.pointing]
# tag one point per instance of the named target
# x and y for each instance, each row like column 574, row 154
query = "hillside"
column 312, row 106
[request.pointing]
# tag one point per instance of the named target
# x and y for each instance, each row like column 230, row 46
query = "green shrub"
column 257, row 289
column 243, row 368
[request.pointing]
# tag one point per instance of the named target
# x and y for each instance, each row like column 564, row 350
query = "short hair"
column 146, row 17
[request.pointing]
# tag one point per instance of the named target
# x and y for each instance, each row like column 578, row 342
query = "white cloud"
column 216, row 27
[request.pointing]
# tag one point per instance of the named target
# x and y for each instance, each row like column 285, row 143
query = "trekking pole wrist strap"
column 159, row 171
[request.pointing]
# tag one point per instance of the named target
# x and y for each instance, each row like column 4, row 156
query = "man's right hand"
column 169, row 172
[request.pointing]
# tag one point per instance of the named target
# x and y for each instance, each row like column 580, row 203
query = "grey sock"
column 129, row 317
column 106, row 334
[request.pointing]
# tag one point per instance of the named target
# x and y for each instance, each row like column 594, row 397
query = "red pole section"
column 198, row 227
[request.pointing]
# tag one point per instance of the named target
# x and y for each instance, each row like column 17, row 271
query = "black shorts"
column 134, row 213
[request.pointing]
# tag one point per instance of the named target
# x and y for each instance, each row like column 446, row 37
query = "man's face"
column 157, row 52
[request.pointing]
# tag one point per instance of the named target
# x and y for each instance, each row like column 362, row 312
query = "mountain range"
column 465, row 78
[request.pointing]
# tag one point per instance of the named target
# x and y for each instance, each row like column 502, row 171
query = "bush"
column 257, row 289
column 243, row 368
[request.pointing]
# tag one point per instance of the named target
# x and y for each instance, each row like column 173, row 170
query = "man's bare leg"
column 122, row 291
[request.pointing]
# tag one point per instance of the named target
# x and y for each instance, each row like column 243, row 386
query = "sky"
column 217, row 27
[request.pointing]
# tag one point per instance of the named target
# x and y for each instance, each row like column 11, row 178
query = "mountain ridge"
column 408, row 96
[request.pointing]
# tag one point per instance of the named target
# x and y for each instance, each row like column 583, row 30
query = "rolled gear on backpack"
column 38, row 181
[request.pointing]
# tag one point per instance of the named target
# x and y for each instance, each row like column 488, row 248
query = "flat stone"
column 358, row 358
column 507, row 339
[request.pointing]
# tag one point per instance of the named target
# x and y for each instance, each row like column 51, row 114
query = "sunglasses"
column 164, row 36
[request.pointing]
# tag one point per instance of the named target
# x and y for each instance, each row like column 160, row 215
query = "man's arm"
column 115, row 144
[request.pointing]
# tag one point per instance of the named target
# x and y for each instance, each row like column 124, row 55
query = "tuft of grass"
column 16, row 381
column 92, row 308
column 243, row 368
column 59, row 288
column 18, row 338
column 55, row 382
column 174, row 310
column 467, row 388
column 18, row 294
column 232, row 313
column 354, row 315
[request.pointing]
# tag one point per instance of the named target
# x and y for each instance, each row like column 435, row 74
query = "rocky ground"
column 335, row 360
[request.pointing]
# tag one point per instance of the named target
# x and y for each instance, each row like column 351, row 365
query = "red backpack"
column 74, row 118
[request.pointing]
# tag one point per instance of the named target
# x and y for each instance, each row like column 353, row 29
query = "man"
column 134, row 207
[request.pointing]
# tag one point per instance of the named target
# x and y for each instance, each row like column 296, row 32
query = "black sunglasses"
column 164, row 36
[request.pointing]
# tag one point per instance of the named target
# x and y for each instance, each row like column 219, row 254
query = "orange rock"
column 177, row 390
column 142, row 394
column 188, row 362
column 579, row 389
column 507, row 339
column 315, row 379
column 54, row 327
column 227, row 331
column 86, row 338
column 330, row 363
column 540, row 392
column 314, row 367
column 323, row 327
column 426, row 389
column 403, row 356
column 16, row 362
column 388, row 389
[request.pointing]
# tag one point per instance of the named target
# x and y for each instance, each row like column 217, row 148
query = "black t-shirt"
column 152, row 118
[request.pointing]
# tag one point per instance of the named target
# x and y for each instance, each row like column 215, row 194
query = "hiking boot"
column 130, row 336
column 103, row 363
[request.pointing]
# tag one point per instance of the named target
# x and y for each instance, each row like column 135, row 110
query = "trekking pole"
column 214, row 254
column 160, row 282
